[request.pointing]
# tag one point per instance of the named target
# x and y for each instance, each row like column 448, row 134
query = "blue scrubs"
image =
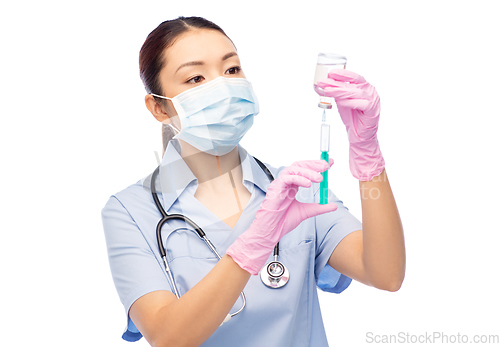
column 289, row 316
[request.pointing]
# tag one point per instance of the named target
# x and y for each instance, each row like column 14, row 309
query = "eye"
column 195, row 79
column 233, row 70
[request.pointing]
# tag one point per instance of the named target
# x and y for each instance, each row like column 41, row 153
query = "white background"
column 75, row 131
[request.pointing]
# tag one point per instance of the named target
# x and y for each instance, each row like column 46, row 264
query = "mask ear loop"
column 161, row 97
column 177, row 131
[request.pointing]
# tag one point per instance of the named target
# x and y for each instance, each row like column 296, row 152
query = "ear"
column 157, row 109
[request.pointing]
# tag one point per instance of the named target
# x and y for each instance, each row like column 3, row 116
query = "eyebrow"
column 193, row 63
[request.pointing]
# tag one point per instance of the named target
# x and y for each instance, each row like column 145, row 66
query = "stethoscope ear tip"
column 228, row 317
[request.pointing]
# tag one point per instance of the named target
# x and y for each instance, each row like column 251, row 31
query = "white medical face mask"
column 216, row 115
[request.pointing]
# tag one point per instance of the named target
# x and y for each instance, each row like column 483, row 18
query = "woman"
column 197, row 88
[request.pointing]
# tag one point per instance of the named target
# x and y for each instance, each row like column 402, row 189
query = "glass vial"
column 326, row 63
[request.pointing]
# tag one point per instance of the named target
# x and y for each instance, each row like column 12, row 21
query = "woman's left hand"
column 359, row 107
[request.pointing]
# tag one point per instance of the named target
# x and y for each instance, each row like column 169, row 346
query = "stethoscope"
column 273, row 275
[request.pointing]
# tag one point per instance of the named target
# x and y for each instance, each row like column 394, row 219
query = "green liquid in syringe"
column 324, row 148
column 323, row 186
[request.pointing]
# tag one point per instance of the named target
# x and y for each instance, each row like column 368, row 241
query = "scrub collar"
column 175, row 176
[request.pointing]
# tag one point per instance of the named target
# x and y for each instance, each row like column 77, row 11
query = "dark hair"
column 151, row 56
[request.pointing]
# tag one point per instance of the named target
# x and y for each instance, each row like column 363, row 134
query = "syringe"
column 325, row 148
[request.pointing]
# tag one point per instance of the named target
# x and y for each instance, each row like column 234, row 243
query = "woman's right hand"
column 279, row 213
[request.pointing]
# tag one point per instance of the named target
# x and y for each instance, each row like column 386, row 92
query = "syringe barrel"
column 325, row 138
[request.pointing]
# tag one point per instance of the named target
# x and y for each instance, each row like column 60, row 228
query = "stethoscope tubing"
column 166, row 217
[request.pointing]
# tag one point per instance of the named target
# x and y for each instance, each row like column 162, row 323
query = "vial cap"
column 325, row 106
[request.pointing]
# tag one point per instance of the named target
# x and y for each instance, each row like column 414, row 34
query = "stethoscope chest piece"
column 275, row 275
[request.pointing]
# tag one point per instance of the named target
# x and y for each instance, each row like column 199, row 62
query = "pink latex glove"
column 359, row 107
column 279, row 214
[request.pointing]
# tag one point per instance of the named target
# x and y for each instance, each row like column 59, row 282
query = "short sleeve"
column 134, row 267
column 331, row 228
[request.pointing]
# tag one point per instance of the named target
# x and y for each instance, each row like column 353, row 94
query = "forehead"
column 197, row 45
